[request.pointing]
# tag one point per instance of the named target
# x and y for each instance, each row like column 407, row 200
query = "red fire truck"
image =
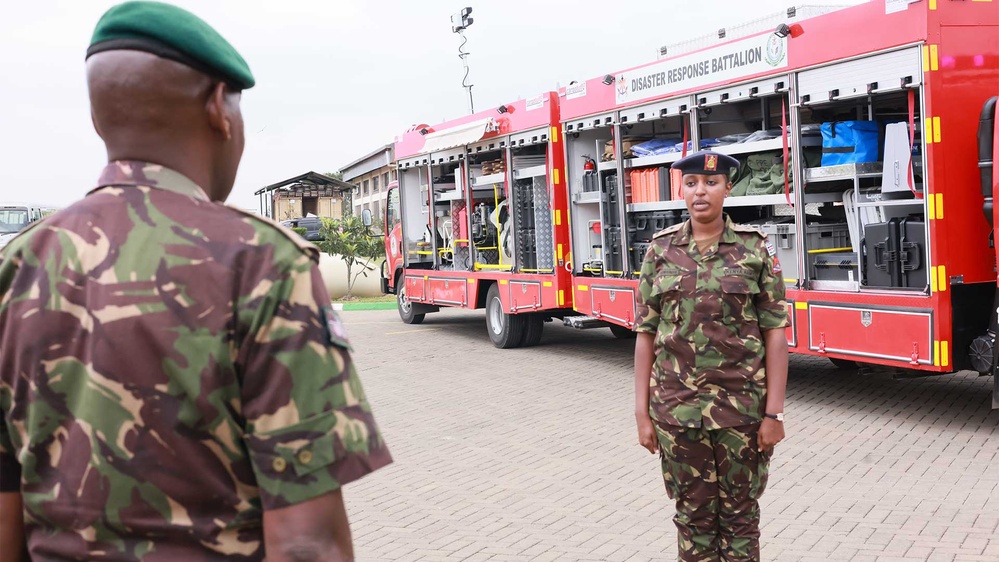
column 478, row 219
column 888, row 256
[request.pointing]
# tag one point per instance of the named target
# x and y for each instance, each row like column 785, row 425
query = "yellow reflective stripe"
column 558, row 217
column 936, row 353
column 503, row 281
column 933, row 4
column 554, row 134
column 928, row 130
column 944, row 354
column 582, row 287
column 933, row 279
column 559, row 252
column 934, row 57
column 926, row 58
column 555, row 176
column 936, row 129
column 939, row 198
column 561, row 297
column 470, row 280
column 932, row 202
column 547, row 284
column 942, row 281
column 801, row 305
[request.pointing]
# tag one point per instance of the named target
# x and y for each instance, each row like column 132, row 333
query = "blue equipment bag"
column 850, row 142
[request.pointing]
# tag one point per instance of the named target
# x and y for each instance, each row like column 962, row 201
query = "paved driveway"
column 531, row 454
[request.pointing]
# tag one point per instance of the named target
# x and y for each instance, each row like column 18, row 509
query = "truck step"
column 584, row 322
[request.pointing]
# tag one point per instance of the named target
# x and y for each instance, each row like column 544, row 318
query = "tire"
column 406, row 307
column 534, row 326
column 505, row 330
column 845, row 364
column 622, row 333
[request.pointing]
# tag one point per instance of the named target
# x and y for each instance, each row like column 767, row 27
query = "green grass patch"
column 370, row 305
column 383, row 302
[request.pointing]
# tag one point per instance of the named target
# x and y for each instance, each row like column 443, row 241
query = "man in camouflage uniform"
column 711, row 366
column 174, row 384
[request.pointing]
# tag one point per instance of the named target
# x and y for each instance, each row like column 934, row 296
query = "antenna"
column 459, row 23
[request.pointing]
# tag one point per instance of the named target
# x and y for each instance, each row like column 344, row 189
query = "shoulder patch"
column 771, row 249
column 302, row 244
column 668, row 230
column 335, row 332
column 747, row 228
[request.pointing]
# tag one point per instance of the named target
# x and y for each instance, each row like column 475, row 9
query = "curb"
column 364, row 306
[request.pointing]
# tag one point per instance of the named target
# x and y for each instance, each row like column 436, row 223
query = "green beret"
column 171, row 33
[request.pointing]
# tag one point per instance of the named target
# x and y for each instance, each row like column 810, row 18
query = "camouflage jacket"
column 707, row 312
column 169, row 368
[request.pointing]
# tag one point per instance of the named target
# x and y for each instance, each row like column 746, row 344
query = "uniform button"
column 279, row 464
column 305, row 456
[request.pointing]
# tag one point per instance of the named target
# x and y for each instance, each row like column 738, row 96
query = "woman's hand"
column 647, row 433
column 771, row 433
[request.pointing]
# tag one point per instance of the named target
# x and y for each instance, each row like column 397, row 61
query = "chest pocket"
column 668, row 289
column 738, row 298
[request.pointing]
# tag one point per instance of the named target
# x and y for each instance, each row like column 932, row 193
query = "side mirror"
column 366, row 217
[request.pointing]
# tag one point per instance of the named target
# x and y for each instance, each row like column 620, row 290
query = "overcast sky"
column 335, row 79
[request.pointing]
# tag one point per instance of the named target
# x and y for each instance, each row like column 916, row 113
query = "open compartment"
column 870, row 176
column 594, row 195
column 414, row 186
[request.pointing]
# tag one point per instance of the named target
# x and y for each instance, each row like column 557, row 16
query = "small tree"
column 352, row 241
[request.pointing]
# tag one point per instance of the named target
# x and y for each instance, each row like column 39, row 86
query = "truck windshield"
column 13, row 219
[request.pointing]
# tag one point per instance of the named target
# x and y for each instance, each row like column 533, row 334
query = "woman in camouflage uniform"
column 711, row 366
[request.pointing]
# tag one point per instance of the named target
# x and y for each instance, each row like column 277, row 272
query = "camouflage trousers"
column 716, row 477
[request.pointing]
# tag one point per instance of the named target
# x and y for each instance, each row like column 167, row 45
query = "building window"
column 385, row 179
column 374, row 185
column 395, row 175
column 365, row 191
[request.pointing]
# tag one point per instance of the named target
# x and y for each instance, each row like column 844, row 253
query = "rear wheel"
column 534, row 326
column 505, row 330
column 621, row 333
column 406, row 307
column 843, row 363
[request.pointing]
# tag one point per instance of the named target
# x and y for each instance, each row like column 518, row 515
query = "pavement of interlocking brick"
column 531, row 454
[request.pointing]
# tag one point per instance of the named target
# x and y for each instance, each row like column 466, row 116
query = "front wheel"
column 406, row 307
column 505, row 330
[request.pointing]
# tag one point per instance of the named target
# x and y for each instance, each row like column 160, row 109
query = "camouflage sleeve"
column 309, row 427
column 771, row 307
column 10, row 469
column 648, row 304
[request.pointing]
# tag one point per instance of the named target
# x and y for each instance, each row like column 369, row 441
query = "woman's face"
column 705, row 195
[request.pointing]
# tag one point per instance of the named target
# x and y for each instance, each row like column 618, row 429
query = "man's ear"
column 218, row 114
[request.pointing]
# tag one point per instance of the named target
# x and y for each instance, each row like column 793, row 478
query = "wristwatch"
column 779, row 416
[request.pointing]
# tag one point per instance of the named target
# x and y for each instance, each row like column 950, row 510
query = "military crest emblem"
column 866, row 318
column 711, row 163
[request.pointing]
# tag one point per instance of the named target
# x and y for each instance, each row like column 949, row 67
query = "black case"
column 894, row 254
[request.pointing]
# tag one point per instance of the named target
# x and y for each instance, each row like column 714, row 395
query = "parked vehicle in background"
column 15, row 217
column 311, row 224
